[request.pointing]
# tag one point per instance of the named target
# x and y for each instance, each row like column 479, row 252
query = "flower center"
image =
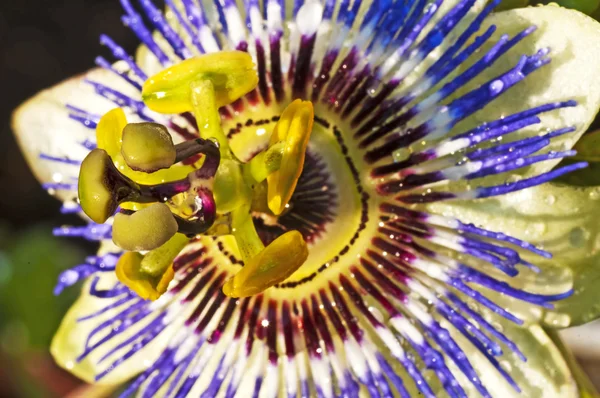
column 334, row 204
column 219, row 194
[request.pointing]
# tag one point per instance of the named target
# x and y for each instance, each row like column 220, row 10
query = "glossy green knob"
column 147, row 147
column 96, row 186
column 145, row 229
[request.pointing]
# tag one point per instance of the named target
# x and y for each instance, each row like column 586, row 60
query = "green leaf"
column 29, row 268
column 585, row 6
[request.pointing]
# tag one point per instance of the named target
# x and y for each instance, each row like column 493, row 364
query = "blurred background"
column 41, row 43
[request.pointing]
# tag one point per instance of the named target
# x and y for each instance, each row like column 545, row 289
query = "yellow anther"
column 231, row 72
column 95, row 188
column 145, row 229
column 246, row 237
column 109, row 136
column 147, row 287
column 109, row 131
column 293, row 131
column 272, row 265
column 147, row 147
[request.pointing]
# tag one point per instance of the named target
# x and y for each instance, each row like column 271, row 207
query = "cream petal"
column 560, row 219
column 70, row 339
column 574, row 42
column 544, row 374
column 69, row 342
column 42, row 125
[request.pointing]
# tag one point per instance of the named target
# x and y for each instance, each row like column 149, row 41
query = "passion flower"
column 413, row 245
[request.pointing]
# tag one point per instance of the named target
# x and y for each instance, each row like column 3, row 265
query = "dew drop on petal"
column 498, row 326
column 557, row 320
column 506, row 365
column 496, row 87
column 578, row 236
column 550, row 199
column 401, row 154
column 376, row 313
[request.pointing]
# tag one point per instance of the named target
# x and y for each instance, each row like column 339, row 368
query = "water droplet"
column 550, row 199
column 430, row 8
column 497, row 326
column 376, row 313
column 557, row 320
column 578, row 237
column 401, row 154
column 506, row 365
column 496, row 87
column 595, row 194
column 537, row 229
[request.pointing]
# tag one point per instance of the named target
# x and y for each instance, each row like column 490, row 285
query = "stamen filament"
column 156, row 262
column 246, row 237
column 204, row 105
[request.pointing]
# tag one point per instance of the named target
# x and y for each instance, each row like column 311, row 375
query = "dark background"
column 42, row 42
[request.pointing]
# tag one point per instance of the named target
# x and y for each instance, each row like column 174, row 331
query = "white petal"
column 42, row 125
column 560, row 219
column 545, row 374
column 69, row 341
column 574, row 42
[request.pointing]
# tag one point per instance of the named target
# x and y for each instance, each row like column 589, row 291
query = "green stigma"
column 164, row 203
